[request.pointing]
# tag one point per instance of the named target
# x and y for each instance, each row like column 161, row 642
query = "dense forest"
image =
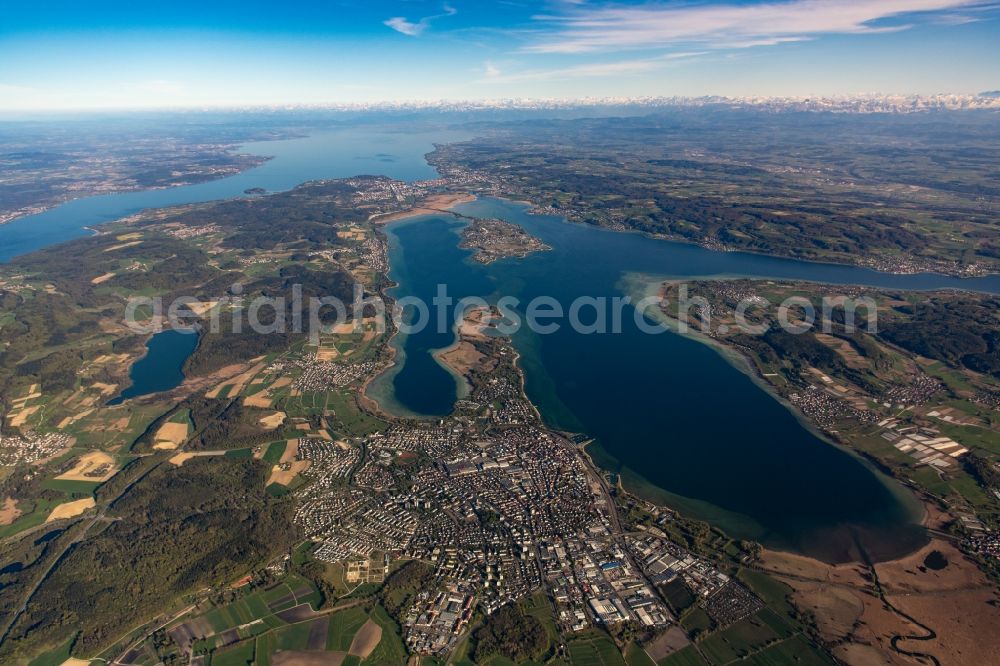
column 402, row 587
column 510, row 633
column 181, row 529
column 959, row 332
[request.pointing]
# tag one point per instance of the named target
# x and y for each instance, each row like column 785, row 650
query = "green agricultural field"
column 301, row 553
column 461, row 655
column 261, row 605
column 277, row 490
column 678, row 595
column 696, row 620
column 340, row 627
column 777, row 624
column 928, row 478
column 35, row 513
column 242, row 654
column 539, row 607
column 292, row 636
column 738, row 641
column 181, row 416
column 274, row 452
column 240, row 612
column 274, row 594
column 792, row 652
column 56, row 656
column 686, row 657
column 594, row 650
column 82, row 488
column 307, row 593
column 258, row 609
column 264, row 647
column 636, row 656
column 967, row 487
column 294, row 590
column 774, row 593
column 390, row 650
column 343, row 626
column 349, row 417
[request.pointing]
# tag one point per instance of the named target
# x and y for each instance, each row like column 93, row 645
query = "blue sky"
column 73, row 55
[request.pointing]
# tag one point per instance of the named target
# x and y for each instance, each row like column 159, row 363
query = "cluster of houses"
column 329, row 461
column 826, row 407
column 499, row 506
column 31, row 447
column 464, row 178
column 320, row 375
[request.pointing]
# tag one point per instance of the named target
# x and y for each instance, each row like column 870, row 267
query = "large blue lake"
column 333, row 154
column 677, row 420
column 671, row 414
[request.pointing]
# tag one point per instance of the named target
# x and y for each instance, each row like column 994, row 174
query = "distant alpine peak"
column 860, row 103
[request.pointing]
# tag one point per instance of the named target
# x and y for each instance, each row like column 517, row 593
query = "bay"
column 680, row 423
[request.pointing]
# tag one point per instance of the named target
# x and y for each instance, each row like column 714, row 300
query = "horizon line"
column 984, row 100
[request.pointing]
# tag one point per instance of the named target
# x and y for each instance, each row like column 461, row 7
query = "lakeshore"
column 436, row 203
column 843, row 546
column 499, row 405
column 322, row 155
column 440, row 389
column 377, row 392
column 862, row 625
column 461, row 357
column 683, row 466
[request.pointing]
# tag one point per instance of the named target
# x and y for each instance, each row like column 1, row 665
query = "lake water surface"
column 679, row 422
column 162, row 368
column 329, row 154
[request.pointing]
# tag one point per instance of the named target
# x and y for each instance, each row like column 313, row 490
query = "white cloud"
column 957, row 19
column 588, row 29
column 415, row 29
column 400, row 24
column 492, row 71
